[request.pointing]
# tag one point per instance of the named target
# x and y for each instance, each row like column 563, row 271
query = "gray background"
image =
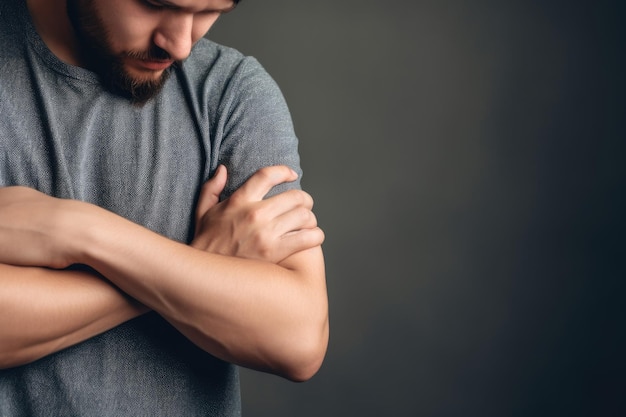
column 466, row 158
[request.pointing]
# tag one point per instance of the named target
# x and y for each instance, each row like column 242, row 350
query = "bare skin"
column 133, row 25
column 250, row 288
column 43, row 311
column 253, row 312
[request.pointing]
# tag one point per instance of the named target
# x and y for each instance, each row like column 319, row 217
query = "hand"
column 247, row 226
column 35, row 228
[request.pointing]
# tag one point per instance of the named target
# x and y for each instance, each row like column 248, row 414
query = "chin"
column 140, row 86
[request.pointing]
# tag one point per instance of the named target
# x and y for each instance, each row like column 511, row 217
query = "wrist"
column 82, row 225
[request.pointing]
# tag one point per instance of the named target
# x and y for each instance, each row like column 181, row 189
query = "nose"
column 175, row 35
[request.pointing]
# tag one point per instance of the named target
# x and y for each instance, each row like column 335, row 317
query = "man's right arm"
column 43, row 311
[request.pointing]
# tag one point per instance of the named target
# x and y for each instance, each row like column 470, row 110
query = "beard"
column 96, row 53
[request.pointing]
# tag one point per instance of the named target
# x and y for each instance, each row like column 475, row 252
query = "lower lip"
column 155, row 65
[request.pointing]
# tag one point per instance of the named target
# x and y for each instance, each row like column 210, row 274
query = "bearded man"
column 153, row 233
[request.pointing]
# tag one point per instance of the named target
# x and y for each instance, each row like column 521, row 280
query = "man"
column 129, row 287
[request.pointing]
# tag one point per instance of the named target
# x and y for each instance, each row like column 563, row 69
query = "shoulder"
column 208, row 52
column 219, row 61
column 215, row 67
column 221, row 79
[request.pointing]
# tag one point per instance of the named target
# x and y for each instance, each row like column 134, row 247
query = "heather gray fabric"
column 63, row 135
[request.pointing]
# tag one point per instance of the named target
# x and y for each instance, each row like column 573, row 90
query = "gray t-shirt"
column 62, row 134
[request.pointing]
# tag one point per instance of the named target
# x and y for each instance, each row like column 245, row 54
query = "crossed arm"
column 249, row 289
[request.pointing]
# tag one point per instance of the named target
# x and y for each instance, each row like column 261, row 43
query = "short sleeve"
column 256, row 127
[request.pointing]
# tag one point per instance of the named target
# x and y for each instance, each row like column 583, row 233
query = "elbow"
column 304, row 357
column 303, row 370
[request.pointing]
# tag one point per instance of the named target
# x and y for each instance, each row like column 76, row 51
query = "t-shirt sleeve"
column 257, row 127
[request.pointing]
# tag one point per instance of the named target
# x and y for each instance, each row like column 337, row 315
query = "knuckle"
column 293, row 195
column 233, row 200
column 250, row 217
column 308, row 200
column 312, row 219
column 264, row 173
column 319, row 236
column 263, row 244
column 322, row 233
column 301, row 198
column 305, row 215
column 254, row 215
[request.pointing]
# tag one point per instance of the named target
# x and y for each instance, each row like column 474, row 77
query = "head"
column 133, row 44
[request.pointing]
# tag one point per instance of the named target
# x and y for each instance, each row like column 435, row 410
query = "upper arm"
column 255, row 126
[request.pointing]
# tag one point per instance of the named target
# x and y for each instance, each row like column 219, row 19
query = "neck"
column 54, row 27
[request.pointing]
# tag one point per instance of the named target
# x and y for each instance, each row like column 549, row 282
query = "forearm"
column 253, row 313
column 256, row 313
column 43, row 311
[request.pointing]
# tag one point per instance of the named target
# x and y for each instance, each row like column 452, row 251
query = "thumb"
column 210, row 192
column 262, row 181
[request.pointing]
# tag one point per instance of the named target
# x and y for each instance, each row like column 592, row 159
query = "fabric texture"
column 62, row 134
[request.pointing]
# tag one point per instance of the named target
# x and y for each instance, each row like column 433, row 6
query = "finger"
column 285, row 202
column 299, row 241
column 210, row 192
column 262, row 181
column 294, row 220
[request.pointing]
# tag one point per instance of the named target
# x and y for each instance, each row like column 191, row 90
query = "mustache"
column 153, row 54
